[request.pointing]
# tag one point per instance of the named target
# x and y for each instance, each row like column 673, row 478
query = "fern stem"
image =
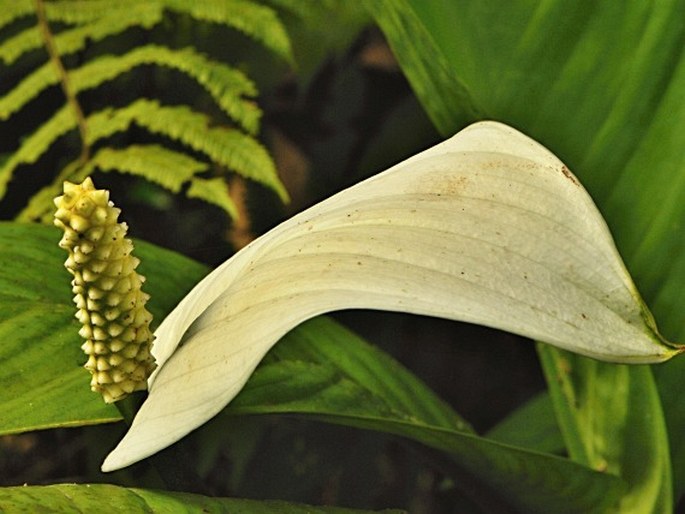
column 68, row 91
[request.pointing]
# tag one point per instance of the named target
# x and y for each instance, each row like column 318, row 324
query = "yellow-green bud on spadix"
column 109, row 299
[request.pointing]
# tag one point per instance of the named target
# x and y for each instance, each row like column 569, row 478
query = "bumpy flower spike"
column 109, row 299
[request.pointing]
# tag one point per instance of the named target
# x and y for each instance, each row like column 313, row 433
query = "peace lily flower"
column 487, row 227
column 109, row 300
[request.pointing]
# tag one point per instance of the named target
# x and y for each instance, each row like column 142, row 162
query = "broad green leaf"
column 434, row 80
column 533, row 425
column 88, row 498
column 324, row 343
column 43, row 383
column 615, row 119
column 596, row 403
column 487, row 227
column 322, row 372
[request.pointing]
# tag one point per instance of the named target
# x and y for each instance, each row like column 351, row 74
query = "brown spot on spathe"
column 567, row 173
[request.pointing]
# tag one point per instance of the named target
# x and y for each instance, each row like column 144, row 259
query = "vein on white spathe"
column 487, row 227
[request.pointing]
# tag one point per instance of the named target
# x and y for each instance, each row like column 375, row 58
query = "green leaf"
column 325, row 373
column 533, row 425
column 152, row 162
column 214, row 191
column 87, row 498
column 434, row 80
column 612, row 422
column 257, row 21
column 226, row 84
column 107, row 23
column 322, row 342
column 42, row 381
column 616, row 121
column 227, row 147
column 15, row 10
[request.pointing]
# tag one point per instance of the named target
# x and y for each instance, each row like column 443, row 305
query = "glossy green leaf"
column 90, row 498
column 533, row 425
column 42, row 381
column 601, row 83
column 325, row 373
column 612, row 422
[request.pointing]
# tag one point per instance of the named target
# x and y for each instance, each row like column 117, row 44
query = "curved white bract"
column 487, row 227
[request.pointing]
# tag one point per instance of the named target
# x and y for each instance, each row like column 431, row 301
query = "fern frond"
column 226, row 84
column 37, row 144
column 254, row 20
column 214, row 191
column 257, row 21
column 82, row 22
column 228, row 147
column 27, row 90
column 78, row 12
column 155, row 163
column 14, row 10
column 40, row 206
column 303, row 10
column 242, row 154
column 12, row 48
column 141, row 14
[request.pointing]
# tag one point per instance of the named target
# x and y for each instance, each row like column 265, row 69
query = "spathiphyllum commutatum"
column 487, row 227
column 107, row 288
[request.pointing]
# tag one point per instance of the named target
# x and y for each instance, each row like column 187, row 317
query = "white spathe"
column 487, row 227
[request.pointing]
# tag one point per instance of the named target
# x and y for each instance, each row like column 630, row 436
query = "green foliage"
column 100, row 26
column 227, row 147
column 326, row 373
column 151, row 161
column 533, row 426
column 623, row 434
column 15, row 10
column 224, row 133
column 92, row 497
column 226, row 84
column 40, row 334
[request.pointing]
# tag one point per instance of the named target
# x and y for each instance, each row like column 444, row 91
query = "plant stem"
column 68, row 91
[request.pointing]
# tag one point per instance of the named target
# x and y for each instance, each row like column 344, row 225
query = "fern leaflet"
column 75, row 39
column 27, row 89
column 214, row 191
column 37, row 144
column 23, row 42
column 14, row 10
column 152, row 162
column 226, row 84
column 227, row 147
column 257, row 21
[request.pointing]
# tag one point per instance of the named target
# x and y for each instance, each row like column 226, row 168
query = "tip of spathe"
column 111, row 463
